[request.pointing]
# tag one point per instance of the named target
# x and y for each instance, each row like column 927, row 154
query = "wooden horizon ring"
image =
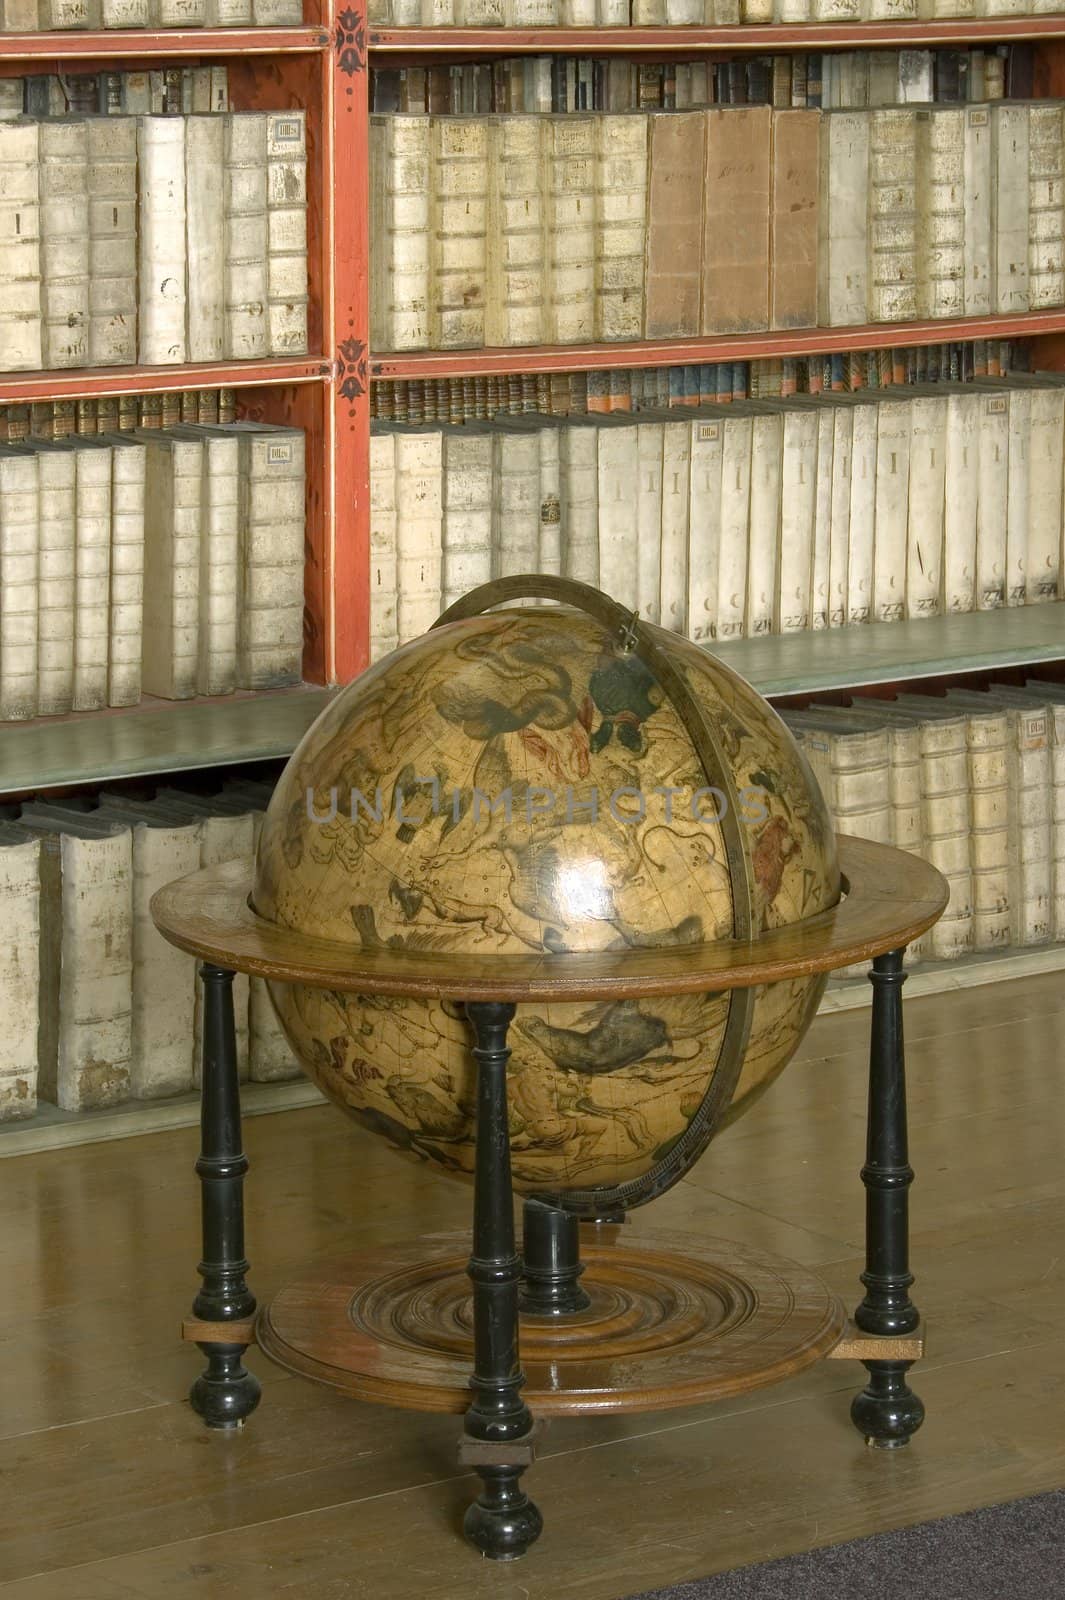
column 891, row 898
column 674, row 1321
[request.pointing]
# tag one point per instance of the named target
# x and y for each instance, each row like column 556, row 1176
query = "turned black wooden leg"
column 551, row 1257
column 502, row 1522
column 226, row 1392
column 887, row 1411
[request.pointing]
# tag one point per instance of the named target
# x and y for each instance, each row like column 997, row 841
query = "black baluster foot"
column 226, row 1392
column 502, row 1522
column 551, row 1256
column 887, row 1412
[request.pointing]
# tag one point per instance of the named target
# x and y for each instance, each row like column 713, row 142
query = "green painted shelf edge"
column 154, row 737
column 888, row 652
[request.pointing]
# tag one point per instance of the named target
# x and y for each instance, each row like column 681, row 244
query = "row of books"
column 973, row 781
column 164, row 562
column 673, row 13
column 849, row 78
column 44, row 16
column 152, row 239
column 97, row 1007
column 171, row 92
column 524, row 230
column 479, row 397
column 760, row 517
column 60, row 419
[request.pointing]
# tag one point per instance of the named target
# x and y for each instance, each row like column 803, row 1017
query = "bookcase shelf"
column 712, row 347
column 138, row 43
column 155, row 736
column 773, row 37
column 74, row 383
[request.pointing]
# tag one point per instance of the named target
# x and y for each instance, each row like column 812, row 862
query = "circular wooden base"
column 673, row 1321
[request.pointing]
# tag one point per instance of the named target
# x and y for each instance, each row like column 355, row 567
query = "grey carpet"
column 1008, row 1552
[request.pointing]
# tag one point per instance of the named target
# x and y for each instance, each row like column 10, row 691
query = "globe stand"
column 667, row 1322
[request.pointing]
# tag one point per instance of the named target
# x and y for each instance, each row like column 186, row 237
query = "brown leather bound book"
column 736, row 220
column 793, row 220
column 675, row 224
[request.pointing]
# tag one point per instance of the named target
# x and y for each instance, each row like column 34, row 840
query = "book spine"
column 1009, row 207
column 124, row 14
column 941, row 211
column 839, row 536
column 946, row 826
column 798, row 509
column 672, row 275
column 515, row 502
column 161, row 240
column 735, row 243
column 821, row 558
column 92, row 565
column 247, row 331
column 571, row 229
column 514, row 310
column 764, row 531
column 793, row 219
column 64, row 243
column 112, row 194
column 991, row 502
column 55, row 591
column 273, row 498
column 286, row 172
column 1046, row 206
column 977, row 166
column 843, row 253
column 707, row 449
column 458, row 232
column 1057, row 818
column 95, row 988
column 892, row 215
column 1044, row 547
column 550, row 547
column 579, row 480
column 128, row 468
column 401, row 175
column 1017, row 488
column 736, row 472
column 206, row 237
column 383, row 634
column 989, row 800
column 20, row 901
column 18, row 586
column 649, row 457
column 862, row 523
column 419, row 519
column 1029, row 831
column 892, row 501
column 924, row 549
column 469, row 491
column 171, row 567
column 221, row 576
column 676, row 473
column 164, row 978
column 621, row 226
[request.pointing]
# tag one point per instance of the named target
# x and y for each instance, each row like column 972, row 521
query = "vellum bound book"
column 286, row 170
column 112, row 192
column 64, row 149
column 20, row 247
column 247, row 328
column 20, row 903
column 161, row 234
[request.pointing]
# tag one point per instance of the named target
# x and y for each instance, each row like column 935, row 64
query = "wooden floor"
column 113, row 1490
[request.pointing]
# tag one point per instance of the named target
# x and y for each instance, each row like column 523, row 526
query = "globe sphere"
column 520, row 781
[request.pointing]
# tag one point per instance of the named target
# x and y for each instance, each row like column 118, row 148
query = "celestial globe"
column 533, row 780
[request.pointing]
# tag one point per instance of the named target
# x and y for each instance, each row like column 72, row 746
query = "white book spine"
column 991, row 502
column 617, row 459
column 735, row 514
column 676, row 473
column 177, row 13
column 798, row 510
column 649, row 455
column 571, row 230
column 1029, row 833
column 892, row 501
column 272, row 527
column 892, row 284
column 924, row 546
column 128, row 468
column 112, row 185
column 206, row 236
column 95, row 992
column 286, row 279
column 227, row 838
column 64, row 243
column 247, row 331
column 20, row 248
column 173, row 491
column 704, row 526
column 164, row 978
column 20, row 900
column 1046, row 206
column 843, row 265
column 515, row 502
column 840, row 535
column 550, row 548
column 468, row 510
column 946, row 826
column 1047, row 425
column 989, row 791
column 1057, row 818
column 862, row 524
column 579, row 480
column 458, row 232
column 277, row 13
column 18, row 586
column 124, row 13
column 764, row 534
column 1009, row 207
column 514, row 312
column 941, row 211
column 960, row 497
column 821, row 562
column 978, row 260
column 621, row 225
column 221, row 575
column 55, row 582
column 92, row 562
column 383, row 635
column 419, row 526
column 161, row 240
column 401, row 174
column 1017, row 480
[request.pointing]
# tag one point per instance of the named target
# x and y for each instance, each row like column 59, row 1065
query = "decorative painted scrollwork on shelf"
column 350, row 42
column 351, row 368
